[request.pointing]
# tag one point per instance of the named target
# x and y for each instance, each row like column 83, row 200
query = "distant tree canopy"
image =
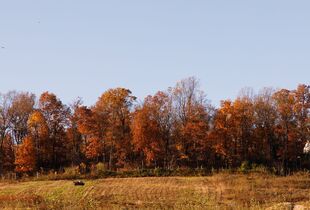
column 173, row 128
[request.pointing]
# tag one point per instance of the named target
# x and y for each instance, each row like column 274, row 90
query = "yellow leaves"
column 35, row 117
column 113, row 99
column 179, row 147
column 183, row 157
column 37, row 124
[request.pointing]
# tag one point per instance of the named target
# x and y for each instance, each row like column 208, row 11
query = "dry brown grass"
column 220, row 191
column 259, row 191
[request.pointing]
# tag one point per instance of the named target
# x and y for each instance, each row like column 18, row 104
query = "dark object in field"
column 78, row 183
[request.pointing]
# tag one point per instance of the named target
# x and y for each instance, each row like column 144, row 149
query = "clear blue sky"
column 82, row 48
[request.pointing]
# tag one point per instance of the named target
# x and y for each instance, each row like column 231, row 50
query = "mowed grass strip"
column 220, row 191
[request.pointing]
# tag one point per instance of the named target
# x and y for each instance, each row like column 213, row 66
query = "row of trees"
column 173, row 128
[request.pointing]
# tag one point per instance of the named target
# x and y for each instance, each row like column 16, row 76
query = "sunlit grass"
column 220, row 191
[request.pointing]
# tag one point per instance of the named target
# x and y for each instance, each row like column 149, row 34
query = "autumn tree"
column 191, row 121
column 8, row 151
column 224, row 136
column 39, row 132
column 286, row 125
column 5, row 120
column 152, row 131
column 56, row 117
column 240, row 129
column 25, row 156
column 302, row 114
column 244, row 122
column 92, row 128
column 195, row 131
column 73, row 135
column 114, row 109
column 19, row 111
column 267, row 143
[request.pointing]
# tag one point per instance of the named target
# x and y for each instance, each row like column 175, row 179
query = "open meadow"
column 220, row 191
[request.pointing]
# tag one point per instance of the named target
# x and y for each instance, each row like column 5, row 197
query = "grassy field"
column 220, row 191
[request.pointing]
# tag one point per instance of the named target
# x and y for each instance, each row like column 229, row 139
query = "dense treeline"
column 174, row 128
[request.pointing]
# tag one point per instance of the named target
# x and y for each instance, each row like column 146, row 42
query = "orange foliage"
column 151, row 129
column 173, row 128
column 25, row 156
